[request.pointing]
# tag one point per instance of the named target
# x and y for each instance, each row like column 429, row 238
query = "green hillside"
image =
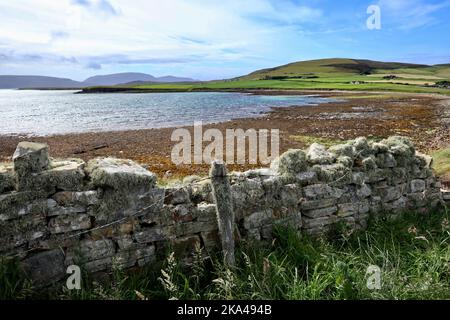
column 323, row 74
column 344, row 67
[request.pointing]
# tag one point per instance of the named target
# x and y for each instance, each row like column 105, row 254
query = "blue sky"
column 209, row 39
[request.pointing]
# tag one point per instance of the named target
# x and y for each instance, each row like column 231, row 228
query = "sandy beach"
column 419, row 116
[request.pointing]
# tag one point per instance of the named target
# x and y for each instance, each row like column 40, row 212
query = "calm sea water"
column 59, row 112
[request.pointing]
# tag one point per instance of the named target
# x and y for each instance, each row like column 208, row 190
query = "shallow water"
column 33, row 112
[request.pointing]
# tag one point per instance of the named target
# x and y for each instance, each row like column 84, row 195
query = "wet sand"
column 423, row 117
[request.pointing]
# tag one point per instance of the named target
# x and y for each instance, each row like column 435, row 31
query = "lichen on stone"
column 290, row 163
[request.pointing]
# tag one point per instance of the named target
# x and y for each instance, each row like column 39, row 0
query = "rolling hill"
column 12, row 82
column 336, row 67
column 128, row 77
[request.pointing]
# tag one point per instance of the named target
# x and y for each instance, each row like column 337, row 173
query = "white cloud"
column 411, row 14
column 145, row 31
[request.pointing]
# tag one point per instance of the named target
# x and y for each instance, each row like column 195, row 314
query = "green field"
column 293, row 84
column 324, row 74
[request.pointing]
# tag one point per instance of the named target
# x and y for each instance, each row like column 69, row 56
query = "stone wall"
column 54, row 213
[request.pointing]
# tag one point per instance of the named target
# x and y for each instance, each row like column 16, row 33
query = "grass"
column 293, row 84
column 308, row 140
column 413, row 254
column 441, row 161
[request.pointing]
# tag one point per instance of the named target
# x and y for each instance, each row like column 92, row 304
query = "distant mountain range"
column 26, row 82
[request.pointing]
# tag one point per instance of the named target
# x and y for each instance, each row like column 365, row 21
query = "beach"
column 422, row 117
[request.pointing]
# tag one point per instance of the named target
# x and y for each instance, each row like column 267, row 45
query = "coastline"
column 372, row 114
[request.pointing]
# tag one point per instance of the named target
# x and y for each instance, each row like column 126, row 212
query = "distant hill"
column 12, row 82
column 122, row 78
column 334, row 67
column 118, row 78
column 174, row 79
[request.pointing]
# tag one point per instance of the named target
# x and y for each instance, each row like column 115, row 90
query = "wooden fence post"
column 224, row 207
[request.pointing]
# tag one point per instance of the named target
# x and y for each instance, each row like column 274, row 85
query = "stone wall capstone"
column 110, row 212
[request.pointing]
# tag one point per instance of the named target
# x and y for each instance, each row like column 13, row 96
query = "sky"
column 212, row 39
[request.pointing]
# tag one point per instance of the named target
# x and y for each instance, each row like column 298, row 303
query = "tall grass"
column 413, row 254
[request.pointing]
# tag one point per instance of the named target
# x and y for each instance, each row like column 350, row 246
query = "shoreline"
column 376, row 115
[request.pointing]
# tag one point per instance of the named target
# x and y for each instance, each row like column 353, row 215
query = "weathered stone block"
column 395, row 206
column 177, row 196
column 211, row 240
column 347, row 209
column 417, row 185
column 397, row 175
column 58, row 210
column 188, row 228
column 421, row 173
column 247, row 194
column 65, row 175
column 369, row 163
column 185, row 246
column 358, row 178
column 69, row 222
column 385, row 160
column 317, row 213
column 321, row 191
column 254, row 234
column 361, row 147
column 145, row 255
column 7, row 179
column 134, row 253
column 423, row 160
column 317, row 204
column 345, row 161
column 290, row 195
column 343, row 150
column 309, row 223
column 363, row 191
column 90, row 250
column 375, row 205
column 17, row 232
column 417, row 200
column 290, row 163
column 391, row 193
column 12, row 203
column 258, row 219
column 307, row 177
column 318, row 154
column 354, row 208
column 201, row 191
column 400, row 146
column 70, row 198
column 378, row 147
column 45, row 268
column 333, row 173
column 290, row 217
column 155, row 234
column 119, row 174
column 376, row 175
column 30, row 157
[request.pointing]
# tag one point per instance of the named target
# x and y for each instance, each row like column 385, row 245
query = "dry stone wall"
column 110, row 212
